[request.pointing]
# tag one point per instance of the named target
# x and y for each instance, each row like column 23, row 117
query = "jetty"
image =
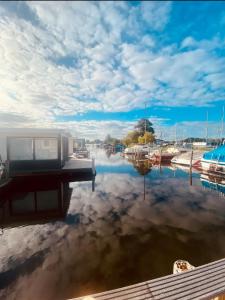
column 204, row 282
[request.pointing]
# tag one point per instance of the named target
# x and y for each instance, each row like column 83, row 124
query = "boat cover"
column 216, row 154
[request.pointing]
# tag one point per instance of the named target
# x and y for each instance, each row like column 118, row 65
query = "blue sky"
column 91, row 67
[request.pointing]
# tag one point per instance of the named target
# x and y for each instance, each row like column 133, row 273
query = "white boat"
column 181, row 266
column 214, row 161
column 137, row 149
column 185, row 159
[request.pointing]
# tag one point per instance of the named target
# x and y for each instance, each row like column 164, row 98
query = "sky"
column 95, row 68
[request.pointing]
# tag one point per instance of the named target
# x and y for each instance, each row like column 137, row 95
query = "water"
column 132, row 228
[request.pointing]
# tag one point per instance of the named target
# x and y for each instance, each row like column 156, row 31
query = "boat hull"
column 213, row 166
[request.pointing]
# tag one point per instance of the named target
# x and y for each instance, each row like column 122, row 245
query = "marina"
column 137, row 212
column 112, row 150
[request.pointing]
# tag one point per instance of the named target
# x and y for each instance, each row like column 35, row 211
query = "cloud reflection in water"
column 116, row 236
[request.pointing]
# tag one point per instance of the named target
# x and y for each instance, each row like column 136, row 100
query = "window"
column 21, row 149
column 46, row 148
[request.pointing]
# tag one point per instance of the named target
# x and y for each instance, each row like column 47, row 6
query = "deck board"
column 204, row 282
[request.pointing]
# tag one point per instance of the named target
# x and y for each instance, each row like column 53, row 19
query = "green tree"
column 131, row 138
column 144, row 125
column 148, row 137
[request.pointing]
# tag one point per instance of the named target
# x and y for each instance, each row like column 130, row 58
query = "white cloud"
column 156, row 13
column 69, row 58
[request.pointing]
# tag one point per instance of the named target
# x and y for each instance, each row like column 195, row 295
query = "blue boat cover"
column 216, row 154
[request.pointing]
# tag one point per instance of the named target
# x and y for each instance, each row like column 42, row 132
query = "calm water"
column 132, row 228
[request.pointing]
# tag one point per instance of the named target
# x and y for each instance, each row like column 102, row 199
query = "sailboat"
column 214, row 161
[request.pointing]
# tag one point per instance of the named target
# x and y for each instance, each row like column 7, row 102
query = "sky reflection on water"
column 132, row 228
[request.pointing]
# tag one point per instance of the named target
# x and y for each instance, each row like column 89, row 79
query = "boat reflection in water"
column 35, row 200
column 214, row 183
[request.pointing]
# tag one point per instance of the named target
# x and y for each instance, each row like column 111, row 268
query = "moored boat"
column 214, row 161
column 137, row 149
column 158, row 156
column 185, row 159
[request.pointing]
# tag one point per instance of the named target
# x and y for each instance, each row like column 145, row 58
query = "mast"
column 207, row 120
column 176, row 134
column 222, row 124
column 145, row 122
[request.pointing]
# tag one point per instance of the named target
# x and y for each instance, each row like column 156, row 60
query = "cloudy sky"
column 92, row 67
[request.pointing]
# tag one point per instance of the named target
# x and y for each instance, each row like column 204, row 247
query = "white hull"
column 213, row 166
column 137, row 150
column 185, row 159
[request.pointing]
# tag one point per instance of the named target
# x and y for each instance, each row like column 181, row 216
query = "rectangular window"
column 46, row 148
column 21, row 149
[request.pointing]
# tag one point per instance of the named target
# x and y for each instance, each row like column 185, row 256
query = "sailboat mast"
column 145, row 122
column 207, row 120
column 222, row 124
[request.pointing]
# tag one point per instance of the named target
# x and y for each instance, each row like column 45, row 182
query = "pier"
column 72, row 166
column 204, row 282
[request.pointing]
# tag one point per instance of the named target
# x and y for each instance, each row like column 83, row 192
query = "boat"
column 158, row 155
column 181, row 266
column 137, row 149
column 214, row 161
column 184, row 159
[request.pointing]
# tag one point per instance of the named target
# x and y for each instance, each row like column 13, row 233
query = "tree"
column 131, row 138
column 148, row 137
column 144, row 125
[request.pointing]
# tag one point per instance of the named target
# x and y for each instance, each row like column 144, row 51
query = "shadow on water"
column 140, row 219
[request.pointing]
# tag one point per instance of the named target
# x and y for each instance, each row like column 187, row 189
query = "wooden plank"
column 193, row 276
column 204, row 282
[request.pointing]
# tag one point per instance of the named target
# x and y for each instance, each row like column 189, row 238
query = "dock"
column 204, row 282
column 72, row 166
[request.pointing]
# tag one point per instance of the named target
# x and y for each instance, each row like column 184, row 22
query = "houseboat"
column 214, row 161
column 28, row 151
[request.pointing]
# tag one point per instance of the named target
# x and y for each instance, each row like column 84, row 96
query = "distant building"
column 200, row 144
column 28, row 149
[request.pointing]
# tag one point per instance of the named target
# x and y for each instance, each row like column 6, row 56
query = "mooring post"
column 191, row 159
column 93, row 165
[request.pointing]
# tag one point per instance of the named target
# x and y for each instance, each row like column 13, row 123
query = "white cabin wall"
column 70, row 146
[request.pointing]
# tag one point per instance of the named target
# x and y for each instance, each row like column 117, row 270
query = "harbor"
column 138, row 211
column 112, row 150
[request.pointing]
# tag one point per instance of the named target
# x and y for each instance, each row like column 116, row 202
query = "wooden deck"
column 204, row 282
column 72, row 166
